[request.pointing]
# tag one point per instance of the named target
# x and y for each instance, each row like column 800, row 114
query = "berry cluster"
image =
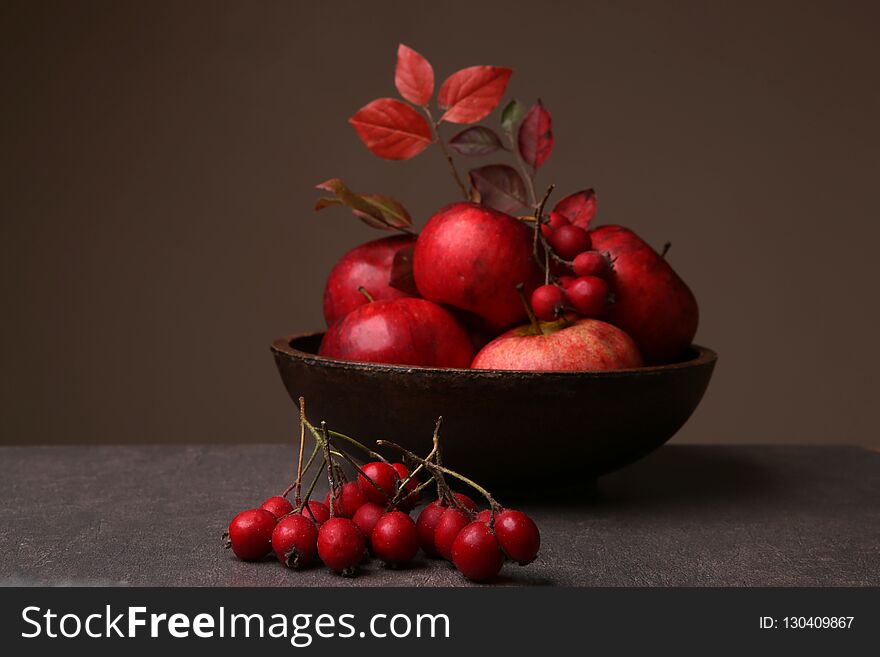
column 371, row 515
column 580, row 273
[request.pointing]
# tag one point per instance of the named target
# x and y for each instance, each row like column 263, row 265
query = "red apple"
column 406, row 331
column 582, row 345
column 367, row 266
column 472, row 258
column 651, row 302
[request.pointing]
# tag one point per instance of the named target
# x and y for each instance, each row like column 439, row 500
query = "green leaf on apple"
column 374, row 210
column 477, row 140
column 500, row 187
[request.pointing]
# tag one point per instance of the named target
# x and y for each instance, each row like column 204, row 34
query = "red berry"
column 382, row 475
column 589, row 296
column 341, row 545
column 548, row 301
column 403, row 473
column 448, row 526
column 317, row 511
column 555, row 222
column 466, row 502
column 250, row 534
column 484, row 516
column 366, row 518
column 278, row 506
column 565, row 281
column 429, row 517
column 518, row 536
column 349, row 498
column 395, row 538
column 426, row 524
column 592, row 263
column 476, row 552
column 295, row 541
column 568, row 241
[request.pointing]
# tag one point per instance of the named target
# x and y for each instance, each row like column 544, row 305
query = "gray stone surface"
column 687, row 515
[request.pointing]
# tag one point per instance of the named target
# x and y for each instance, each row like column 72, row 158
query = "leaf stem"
column 539, row 236
column 446, row 153
column 521, row 165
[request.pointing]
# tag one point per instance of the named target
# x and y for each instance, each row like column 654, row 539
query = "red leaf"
column 536, row 136
column 500, row 187
column 392, row 129
column 579, row 208
column 414, row 76
column 471, row 93
column 402, row 277
column 476, row 140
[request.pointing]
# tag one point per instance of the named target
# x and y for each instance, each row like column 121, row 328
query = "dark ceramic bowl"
column 501, row 427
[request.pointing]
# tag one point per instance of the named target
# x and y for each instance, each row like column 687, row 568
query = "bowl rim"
column 704, row 356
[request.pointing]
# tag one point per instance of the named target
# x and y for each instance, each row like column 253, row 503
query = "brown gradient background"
column 158, row 162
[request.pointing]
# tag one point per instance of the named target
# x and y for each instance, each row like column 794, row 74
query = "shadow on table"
column 676, row 476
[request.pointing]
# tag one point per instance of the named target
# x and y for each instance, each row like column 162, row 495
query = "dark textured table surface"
column 687, row 515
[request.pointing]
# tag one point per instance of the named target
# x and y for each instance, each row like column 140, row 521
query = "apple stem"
column 665, row 250
column 446, row 153
column 536, row 325
column 368, row 296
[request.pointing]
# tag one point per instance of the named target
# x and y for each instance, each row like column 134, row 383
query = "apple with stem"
column 563, row 345
column 567, row 344
column 366, row 266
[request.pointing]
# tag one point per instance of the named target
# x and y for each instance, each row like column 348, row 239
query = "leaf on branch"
column 536, row 136
column 402, row 277
column 392, row 129
column 374, row 210
column 578, row 208
column 500, row 187
column 469, row 95
column 414, row 76
column 476, row 140
column 511, row 115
